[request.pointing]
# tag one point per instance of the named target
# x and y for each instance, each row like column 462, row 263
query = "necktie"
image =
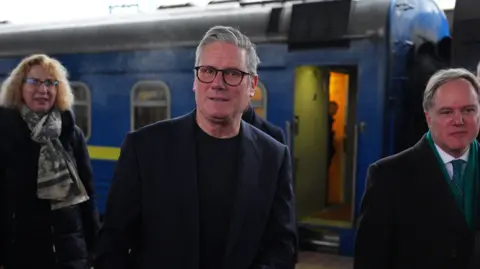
column 457, row 176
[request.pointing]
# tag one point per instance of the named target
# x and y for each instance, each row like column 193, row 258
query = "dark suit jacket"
column 251, row 117
column 152, row 207
column 409, row 218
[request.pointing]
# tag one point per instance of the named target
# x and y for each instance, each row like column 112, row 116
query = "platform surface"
column 313, row 260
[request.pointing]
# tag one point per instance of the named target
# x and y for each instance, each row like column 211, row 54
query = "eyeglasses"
column 232, row 77
column 37, row 82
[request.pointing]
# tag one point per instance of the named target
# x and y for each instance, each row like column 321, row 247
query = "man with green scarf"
column 421, row 206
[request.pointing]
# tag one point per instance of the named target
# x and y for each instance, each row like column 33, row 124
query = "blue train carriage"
column 330, row 69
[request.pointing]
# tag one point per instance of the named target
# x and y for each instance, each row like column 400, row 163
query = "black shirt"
column 217, row 161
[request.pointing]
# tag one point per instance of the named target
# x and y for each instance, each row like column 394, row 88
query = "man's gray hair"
column 444, row 76
column 233, row 36
column 478, row 70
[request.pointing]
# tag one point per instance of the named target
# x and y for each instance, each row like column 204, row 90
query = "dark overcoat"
column 32, row 235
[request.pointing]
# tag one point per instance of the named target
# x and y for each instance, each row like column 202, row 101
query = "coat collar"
column 249, row 115
column 428, row 166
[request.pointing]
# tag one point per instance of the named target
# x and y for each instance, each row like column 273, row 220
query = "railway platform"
column 315, row 260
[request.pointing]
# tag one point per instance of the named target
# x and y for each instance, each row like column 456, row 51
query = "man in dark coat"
column 204, row 190
column 251, row 117
column 421, row 206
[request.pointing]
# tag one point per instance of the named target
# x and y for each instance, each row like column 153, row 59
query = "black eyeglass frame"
column 223, row 74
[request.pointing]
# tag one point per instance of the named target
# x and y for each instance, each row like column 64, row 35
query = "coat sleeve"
column 90, row 216
column 279, row 241
column 2, row 213
column 4, row 138
column 374, row 243
column 122, row 213
column 2, row 209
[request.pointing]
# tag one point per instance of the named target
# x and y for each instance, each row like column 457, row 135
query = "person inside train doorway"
column 204, row 190
column 250, row 116
column 48, row 212
column 332, row 111
column 421, row 206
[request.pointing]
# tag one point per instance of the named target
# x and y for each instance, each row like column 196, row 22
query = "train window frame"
column 263, row 102
column 138, row 85
column 87, row 102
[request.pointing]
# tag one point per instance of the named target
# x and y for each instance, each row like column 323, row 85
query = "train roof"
column 279, row 21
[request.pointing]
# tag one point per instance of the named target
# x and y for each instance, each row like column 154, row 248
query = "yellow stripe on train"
column 104, row 153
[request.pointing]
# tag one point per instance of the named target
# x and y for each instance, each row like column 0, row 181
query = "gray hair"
column 444, row 76
column 233, row 36
column 478, row 70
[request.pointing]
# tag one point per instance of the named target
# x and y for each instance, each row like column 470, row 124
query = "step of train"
column 319, row 240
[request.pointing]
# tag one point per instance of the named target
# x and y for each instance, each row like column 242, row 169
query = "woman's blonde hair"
column 11, row 91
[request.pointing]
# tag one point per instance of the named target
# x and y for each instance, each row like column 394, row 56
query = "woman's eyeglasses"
column 37, row 82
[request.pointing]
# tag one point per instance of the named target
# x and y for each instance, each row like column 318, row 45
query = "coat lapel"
column 478, row 197
column 475, row 262
column 247, row 183
column 182, row 152
column 427, row 163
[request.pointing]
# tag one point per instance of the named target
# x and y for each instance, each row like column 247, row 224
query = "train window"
column 150, row 103
column 259, row 101
column 82, row 107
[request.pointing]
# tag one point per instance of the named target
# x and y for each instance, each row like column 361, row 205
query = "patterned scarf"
column 57, row 178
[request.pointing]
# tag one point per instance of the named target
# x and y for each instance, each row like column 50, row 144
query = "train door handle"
column 288, row 132
column 358, row 129
column 296, row 125
column 362, row 126
column 296, row 161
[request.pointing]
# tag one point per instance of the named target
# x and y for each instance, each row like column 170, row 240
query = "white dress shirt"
column 448, row 158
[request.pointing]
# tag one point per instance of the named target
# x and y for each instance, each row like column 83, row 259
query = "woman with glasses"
column 48, row 214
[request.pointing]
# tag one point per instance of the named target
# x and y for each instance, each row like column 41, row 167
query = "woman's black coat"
column 31, row 235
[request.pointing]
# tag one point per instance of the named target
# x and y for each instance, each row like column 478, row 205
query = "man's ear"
column 428, row 118
column 253, row 86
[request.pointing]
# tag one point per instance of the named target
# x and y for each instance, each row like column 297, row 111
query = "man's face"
column 224, row 96
column 453, row 118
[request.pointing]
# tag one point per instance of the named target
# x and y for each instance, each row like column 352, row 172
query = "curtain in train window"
column 259, row 101
column 151, row 103
column 82, row 107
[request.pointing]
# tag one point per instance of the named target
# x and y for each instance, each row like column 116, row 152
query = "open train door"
column 466, row 34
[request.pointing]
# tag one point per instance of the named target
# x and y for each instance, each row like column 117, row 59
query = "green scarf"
column 470, row 182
